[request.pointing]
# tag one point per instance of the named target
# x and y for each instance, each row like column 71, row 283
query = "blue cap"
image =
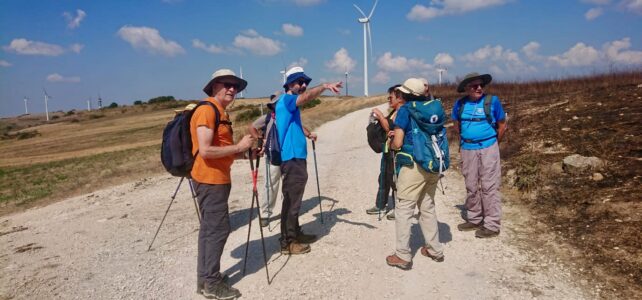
column 295, row 74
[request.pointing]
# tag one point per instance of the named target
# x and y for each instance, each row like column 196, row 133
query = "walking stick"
column 255, row 197
column 191, row 189
column 166, row 211
column 316, row 171
column 268, row 187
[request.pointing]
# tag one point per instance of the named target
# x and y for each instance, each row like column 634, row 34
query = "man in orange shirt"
column 215, row 151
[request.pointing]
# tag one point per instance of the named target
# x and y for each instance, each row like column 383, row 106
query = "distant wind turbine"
column 241, row 73
column 26, row 109
column 46, row 105
column 366, row 36
column 441, row 70
column 347, row 81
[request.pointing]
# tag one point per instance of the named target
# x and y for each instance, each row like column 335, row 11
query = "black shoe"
column 485, row 233
column 200, row 283
column 305, row 238
column 221, row 291
column 468, row 226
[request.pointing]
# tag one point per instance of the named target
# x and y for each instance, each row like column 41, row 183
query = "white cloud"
column 74, row 21
column 27, row 47
column 449, row 7
column 257, row 44
column 579, row 55
column 4, row 63
column 400, row 64
column 634, row 6
column 341, row 62
column 198, row 44
column 593, row 13
column 308, row 2
column 381, row 77
column 76, row 48
column 530, row 50
column 292, row 30
column 299, row 63
column 55, row 77
column 444, row 59
column 150, row 40
column 616, row 51
column 344, row 31
column 504, row 59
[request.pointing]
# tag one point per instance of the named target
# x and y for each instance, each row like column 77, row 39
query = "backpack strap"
column 217, row 118
column 488, row 101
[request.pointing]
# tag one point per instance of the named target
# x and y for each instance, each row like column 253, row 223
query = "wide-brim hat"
column 273, row 99
column 295, row 74
column 225, row 75
column 412, row 86
column 485, row 78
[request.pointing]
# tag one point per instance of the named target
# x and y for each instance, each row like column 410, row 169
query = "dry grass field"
column 592, row 224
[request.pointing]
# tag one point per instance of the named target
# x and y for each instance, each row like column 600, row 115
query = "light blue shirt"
column 288, row 123
column 479, row 131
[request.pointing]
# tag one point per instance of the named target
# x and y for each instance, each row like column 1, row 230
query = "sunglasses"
column 475, row 86
column 229, row 85
column 301, row 82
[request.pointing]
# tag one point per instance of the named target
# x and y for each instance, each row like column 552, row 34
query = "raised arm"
column 316, row 91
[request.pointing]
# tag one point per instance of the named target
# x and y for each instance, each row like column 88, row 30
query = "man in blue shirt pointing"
column 481, row 123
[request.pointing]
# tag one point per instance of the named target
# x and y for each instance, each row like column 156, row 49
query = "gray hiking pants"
column 267, row 204
column 215, row 228
column 483, row 176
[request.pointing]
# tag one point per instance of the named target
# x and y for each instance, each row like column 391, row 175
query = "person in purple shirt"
column 480, row 135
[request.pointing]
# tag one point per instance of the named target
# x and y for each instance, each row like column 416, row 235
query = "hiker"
column 294, row 154
column 480, row 122
column 215, row 152
column 414, row 183
column 258, row 129
column 386, row 167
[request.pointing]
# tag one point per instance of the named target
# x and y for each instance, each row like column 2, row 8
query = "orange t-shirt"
column 212, row 171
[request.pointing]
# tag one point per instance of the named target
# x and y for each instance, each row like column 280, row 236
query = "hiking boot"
column 395, row 261
column 305, row 238
column 221, row 291
column 467, row 226
column 264, row 222
column 485, row 233
column 295, row 248
column 374, row 210
column 391, row 214
column 200, row 283
column 426, row 253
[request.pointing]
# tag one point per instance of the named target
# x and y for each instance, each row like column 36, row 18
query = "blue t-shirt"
column 402, row 121
column 479, row 131
column 288, row 123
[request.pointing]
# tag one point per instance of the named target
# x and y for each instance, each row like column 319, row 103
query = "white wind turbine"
column 241, row 73
column 366, row 36
column 441, row 70
column 46, row 100
column 26, row 109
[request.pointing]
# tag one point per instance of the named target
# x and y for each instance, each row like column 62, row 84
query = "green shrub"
column 138, row 102
column 248, row 115
column 311, row 103
column 161, row 99
column 96, row 116
column 71, row 112
column 23, row 135
column 113, row 105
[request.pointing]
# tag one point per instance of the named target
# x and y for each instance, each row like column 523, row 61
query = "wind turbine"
column 241, row 71
column 46, row 100
column 26, row 109
column 100, row 102
column 347, row 82
column 441, row 70
column 366, row 36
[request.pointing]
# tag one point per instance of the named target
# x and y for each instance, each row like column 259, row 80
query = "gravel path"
column 95, row 245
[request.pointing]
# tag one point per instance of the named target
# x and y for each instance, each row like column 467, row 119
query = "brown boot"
column 485, row 233
column 295, row 248
column 468, row 226
column 426, row 253
column 395, row 261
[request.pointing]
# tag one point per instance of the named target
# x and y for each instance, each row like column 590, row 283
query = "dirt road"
column 95, row 246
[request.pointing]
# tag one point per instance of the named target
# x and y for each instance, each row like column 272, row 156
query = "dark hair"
column 411, row 97
column 392, row 88
column 272, row 97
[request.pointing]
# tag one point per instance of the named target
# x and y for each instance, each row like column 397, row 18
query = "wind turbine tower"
column 366, row 36
column 241, row 71
column 46, row 105
column 283, row 73
column 100, row 102
column 347, row 82
column 26, row 109
column 441, row 70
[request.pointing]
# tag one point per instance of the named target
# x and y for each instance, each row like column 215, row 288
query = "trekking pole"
column 255, row 197
column 191, row 189
column 166, row 211
column 268, row 187
column 316, row 171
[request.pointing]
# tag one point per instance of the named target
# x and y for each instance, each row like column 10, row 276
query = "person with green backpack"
column 480, row 122
column 420, row 139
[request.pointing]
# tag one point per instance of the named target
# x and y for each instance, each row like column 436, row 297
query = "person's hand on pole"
column 312, row 136
column 246, row 142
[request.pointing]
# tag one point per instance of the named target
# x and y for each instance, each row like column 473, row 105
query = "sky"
column 123, row 51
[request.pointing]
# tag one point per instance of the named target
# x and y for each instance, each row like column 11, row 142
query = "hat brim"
column 406, row 90
column 240, row 81
column 295, row 78
column 485, row 78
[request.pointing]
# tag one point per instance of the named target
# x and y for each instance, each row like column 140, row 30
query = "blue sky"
column 137, row 50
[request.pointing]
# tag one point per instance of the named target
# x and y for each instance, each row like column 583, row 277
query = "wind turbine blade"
column 370, row 40
column 373, row 9
column 359, row 9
